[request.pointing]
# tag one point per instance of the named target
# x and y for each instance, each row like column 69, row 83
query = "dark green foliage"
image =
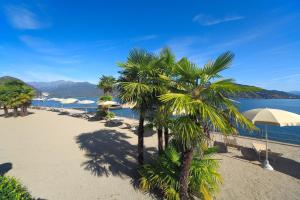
column 16, row 94
column 106, row 98
column 163, row 174
column 104, row 113
column 12, row 189
column 107, row 83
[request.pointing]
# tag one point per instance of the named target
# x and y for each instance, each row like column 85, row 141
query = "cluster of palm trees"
column 15, row 94
column 184, row 102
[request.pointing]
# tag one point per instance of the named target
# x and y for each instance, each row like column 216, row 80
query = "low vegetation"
column 15, row 94
column 12, row 189
column 163, row 173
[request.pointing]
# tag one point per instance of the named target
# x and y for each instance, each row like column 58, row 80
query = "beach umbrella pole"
column 266, row 162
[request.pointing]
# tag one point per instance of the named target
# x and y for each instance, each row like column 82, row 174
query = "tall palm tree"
column 135, row 86
column 106, row 83
column 161, row 112
column 200, row 97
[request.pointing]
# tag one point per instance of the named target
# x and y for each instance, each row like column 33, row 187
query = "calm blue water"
column 282, row 134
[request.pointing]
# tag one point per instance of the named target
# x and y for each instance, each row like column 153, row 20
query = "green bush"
column 12, row 189
column 106, row 98
column 110, row 115
column 163, row 174
column 104, row 113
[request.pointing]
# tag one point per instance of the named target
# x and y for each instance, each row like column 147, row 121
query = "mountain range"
column 65, row 89
column 295, row 92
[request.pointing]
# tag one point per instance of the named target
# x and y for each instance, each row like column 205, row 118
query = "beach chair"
column 259, row 148
column 231, row 142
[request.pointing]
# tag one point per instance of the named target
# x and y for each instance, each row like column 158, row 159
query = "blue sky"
column 53, row 40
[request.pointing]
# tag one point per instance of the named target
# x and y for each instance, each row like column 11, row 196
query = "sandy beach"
column 66, row 158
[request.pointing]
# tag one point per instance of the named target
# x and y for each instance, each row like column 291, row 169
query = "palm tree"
column 15, row 94
column 200, row 97
column 25, row 97
column 4, row 98
column 163, row 173
column 107, row 84
column 135, row 86
column 164, row 65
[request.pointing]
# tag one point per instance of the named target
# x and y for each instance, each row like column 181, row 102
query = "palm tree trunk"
column 160, row 139
column 25, row 110
column 141, row 138
column 5, row 111
column 22, row 111
column 166, row 134
column 15, row 112
column 184, row 174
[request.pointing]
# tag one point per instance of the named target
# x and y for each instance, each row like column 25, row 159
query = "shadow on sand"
column 5, row 167
column 109, row 153
column 10, row 114
column 284, row 165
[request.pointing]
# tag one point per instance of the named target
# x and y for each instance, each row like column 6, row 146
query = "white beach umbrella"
column 275, row 117
column 54, row 99
column 45, row 94
column 107, row 103
column 129, row 105
column 68, row 101
column 85, row 102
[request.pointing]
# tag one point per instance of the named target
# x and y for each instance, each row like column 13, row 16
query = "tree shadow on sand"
column 282, row 164
column 5, row 167
column 109, row 153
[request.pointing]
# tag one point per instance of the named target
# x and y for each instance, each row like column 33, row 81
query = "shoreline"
column 63, row 157
column 136, row 120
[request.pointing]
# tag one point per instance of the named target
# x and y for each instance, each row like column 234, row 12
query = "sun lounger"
column 260, row 149
column 231, row 142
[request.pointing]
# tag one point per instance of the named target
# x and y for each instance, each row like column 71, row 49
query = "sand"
column 61, row 157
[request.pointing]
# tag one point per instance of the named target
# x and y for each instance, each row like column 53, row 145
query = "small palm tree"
column 163, row 173
column 200, row 97
column 15, row 94
column 106, row 83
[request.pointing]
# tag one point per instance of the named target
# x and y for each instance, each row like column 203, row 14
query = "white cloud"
column 22, row 18
column 207, row 20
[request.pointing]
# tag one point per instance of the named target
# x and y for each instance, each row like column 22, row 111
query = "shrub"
column 104, row 113
column 12, row 189
column 106, row 98
column 110, row 115
column 164, row 171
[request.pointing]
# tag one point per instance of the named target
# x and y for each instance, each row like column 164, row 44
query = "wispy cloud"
column 290, row 76
column 50, row 51
column 46, row 76
column 21, row 17
column 145, row 38
column 206, row 20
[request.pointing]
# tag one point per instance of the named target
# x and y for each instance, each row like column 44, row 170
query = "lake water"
column 282, row 134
